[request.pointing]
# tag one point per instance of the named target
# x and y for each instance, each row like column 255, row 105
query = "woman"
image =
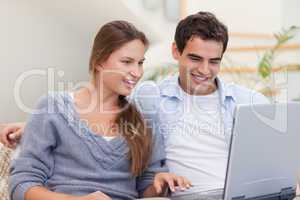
column 92, row 143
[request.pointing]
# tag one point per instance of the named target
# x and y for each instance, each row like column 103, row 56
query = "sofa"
column 5, row 156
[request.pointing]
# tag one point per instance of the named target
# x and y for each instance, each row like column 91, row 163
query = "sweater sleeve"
column 156, row 164
column 35, row 163
column 145, row 99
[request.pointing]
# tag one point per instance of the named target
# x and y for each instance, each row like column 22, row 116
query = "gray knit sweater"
column 60, row 152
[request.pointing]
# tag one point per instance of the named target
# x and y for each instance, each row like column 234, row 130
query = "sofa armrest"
column 5, row 157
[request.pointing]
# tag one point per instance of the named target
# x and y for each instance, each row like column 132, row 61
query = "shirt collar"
column 170, row 87
column 225, row 90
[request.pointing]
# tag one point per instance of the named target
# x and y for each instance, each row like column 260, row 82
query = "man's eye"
column 141, row 63
column 194, row 59
column 215, row 62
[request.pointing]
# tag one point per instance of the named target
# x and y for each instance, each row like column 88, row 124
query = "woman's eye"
column 126, row 61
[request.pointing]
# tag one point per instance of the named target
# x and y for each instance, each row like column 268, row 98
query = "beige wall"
column 243, row 16
column 38, row 35
column 41, row 34
column 32, row 40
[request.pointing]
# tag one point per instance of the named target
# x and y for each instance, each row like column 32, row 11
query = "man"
column 11, row 133
column 193, row 111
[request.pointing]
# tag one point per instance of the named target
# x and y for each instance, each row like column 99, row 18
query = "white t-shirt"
column 196, row 148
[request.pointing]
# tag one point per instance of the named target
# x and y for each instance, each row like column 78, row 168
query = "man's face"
column 199, row 65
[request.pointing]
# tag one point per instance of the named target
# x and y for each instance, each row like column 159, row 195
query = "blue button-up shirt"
column 162, row 103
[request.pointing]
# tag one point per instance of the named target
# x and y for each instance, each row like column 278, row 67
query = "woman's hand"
column 11, row 134
column 164, row 180
column 94, row 196
column 39, row 192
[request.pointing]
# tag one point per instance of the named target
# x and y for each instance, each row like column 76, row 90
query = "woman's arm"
column 165, row 181
column 155, row 181
column 38, row 193
column 34, row 164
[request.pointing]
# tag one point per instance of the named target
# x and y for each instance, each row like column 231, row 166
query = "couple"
column 104, row 142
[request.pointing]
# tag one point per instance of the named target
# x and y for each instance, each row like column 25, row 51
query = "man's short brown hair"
column 202, row 24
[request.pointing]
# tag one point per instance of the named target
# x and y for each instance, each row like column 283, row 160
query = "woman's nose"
column 137, row 72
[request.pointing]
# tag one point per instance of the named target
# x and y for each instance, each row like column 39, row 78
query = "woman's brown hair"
column 132, row 126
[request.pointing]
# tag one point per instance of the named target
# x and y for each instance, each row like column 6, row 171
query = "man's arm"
column 11, row 133
column 2, row 126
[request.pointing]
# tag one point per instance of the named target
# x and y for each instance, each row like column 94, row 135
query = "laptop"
column 264, row 158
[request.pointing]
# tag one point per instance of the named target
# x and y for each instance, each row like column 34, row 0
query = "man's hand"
column 164, row 180
column 11, row 133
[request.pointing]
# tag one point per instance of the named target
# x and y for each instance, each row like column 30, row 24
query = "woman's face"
column 123, row 68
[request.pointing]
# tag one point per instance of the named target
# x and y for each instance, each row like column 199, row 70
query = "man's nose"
column 203, row 68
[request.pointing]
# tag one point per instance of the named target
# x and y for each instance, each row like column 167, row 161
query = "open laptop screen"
column 264, row 158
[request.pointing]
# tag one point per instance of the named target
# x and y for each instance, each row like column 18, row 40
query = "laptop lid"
column 264, row 158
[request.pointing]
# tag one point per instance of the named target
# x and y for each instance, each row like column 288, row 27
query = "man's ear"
column 175, row 52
